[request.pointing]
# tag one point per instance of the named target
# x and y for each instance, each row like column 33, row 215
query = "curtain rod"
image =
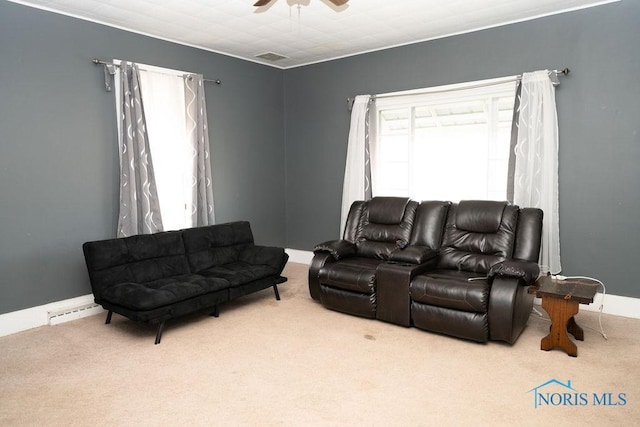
column 101, row 62
column 564, row 71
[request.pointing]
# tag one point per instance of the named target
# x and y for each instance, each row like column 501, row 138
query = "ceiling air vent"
column 270, row 56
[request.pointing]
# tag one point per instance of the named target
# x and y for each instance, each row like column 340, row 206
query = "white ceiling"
column 315, row 32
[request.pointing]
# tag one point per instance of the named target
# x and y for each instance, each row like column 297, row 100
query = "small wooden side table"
column 561, row 299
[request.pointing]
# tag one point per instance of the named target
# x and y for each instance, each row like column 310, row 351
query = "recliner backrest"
column 528, row 235
column 478, row 234
column 355, row 220
column 428, row 227
column 385, row 224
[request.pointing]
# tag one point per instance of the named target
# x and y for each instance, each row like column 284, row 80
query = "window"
column 164, row 101
column 163, row 97
column 450, row 143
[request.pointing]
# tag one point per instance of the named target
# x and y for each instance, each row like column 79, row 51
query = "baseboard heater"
column 56, row 317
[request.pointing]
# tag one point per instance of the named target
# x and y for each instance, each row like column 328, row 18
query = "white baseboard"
column 33, row 317
column 301, row 257
column 21, row 320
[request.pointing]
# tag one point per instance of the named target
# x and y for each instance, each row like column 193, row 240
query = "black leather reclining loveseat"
column 155, row 277
column 458, row 269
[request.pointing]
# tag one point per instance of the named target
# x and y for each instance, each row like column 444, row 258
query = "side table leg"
column 574, row 329
column 560, row 311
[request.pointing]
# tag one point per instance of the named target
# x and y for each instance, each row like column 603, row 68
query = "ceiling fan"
column 265, row 2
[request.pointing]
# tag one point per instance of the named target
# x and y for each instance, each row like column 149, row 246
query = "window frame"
column 492, row 89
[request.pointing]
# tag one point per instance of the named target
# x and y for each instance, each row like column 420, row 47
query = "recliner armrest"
column 337, row 248
column 526, row 271
column 413, row 254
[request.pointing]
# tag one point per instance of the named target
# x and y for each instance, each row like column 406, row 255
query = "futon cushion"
column 103, row 254
column 264, row 255
column 240, row 273
column 162, row 292
column 215, row 245
column 139, row 259
column 451, row 289
column 352, row 274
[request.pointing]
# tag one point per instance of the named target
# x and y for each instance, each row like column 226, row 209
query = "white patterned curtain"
column 535, row 181
column 202, row 211
column 139, row 207
column 357, row 173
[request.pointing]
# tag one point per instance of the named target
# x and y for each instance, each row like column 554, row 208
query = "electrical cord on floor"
column 604, row 291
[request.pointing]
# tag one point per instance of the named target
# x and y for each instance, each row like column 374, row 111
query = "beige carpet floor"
column 294, row 363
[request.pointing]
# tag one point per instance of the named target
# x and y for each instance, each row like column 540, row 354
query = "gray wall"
column 58, row 146
column 598, row 110
column 58, row 156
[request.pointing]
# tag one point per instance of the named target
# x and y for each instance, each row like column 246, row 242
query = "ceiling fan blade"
column 339, row 2
column 261, row 3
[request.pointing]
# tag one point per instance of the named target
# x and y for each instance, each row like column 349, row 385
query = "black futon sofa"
column 457, row 269
column 155, row 277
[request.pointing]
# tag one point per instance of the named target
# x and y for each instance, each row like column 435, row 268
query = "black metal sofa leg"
column 159, row 332
column 108, row 317
column 275, row 290
column 215, row 312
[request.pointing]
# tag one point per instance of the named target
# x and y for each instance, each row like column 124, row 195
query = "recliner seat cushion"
column 451, row 289
column 162, row 292
column 352, row 274
column 457, row 323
